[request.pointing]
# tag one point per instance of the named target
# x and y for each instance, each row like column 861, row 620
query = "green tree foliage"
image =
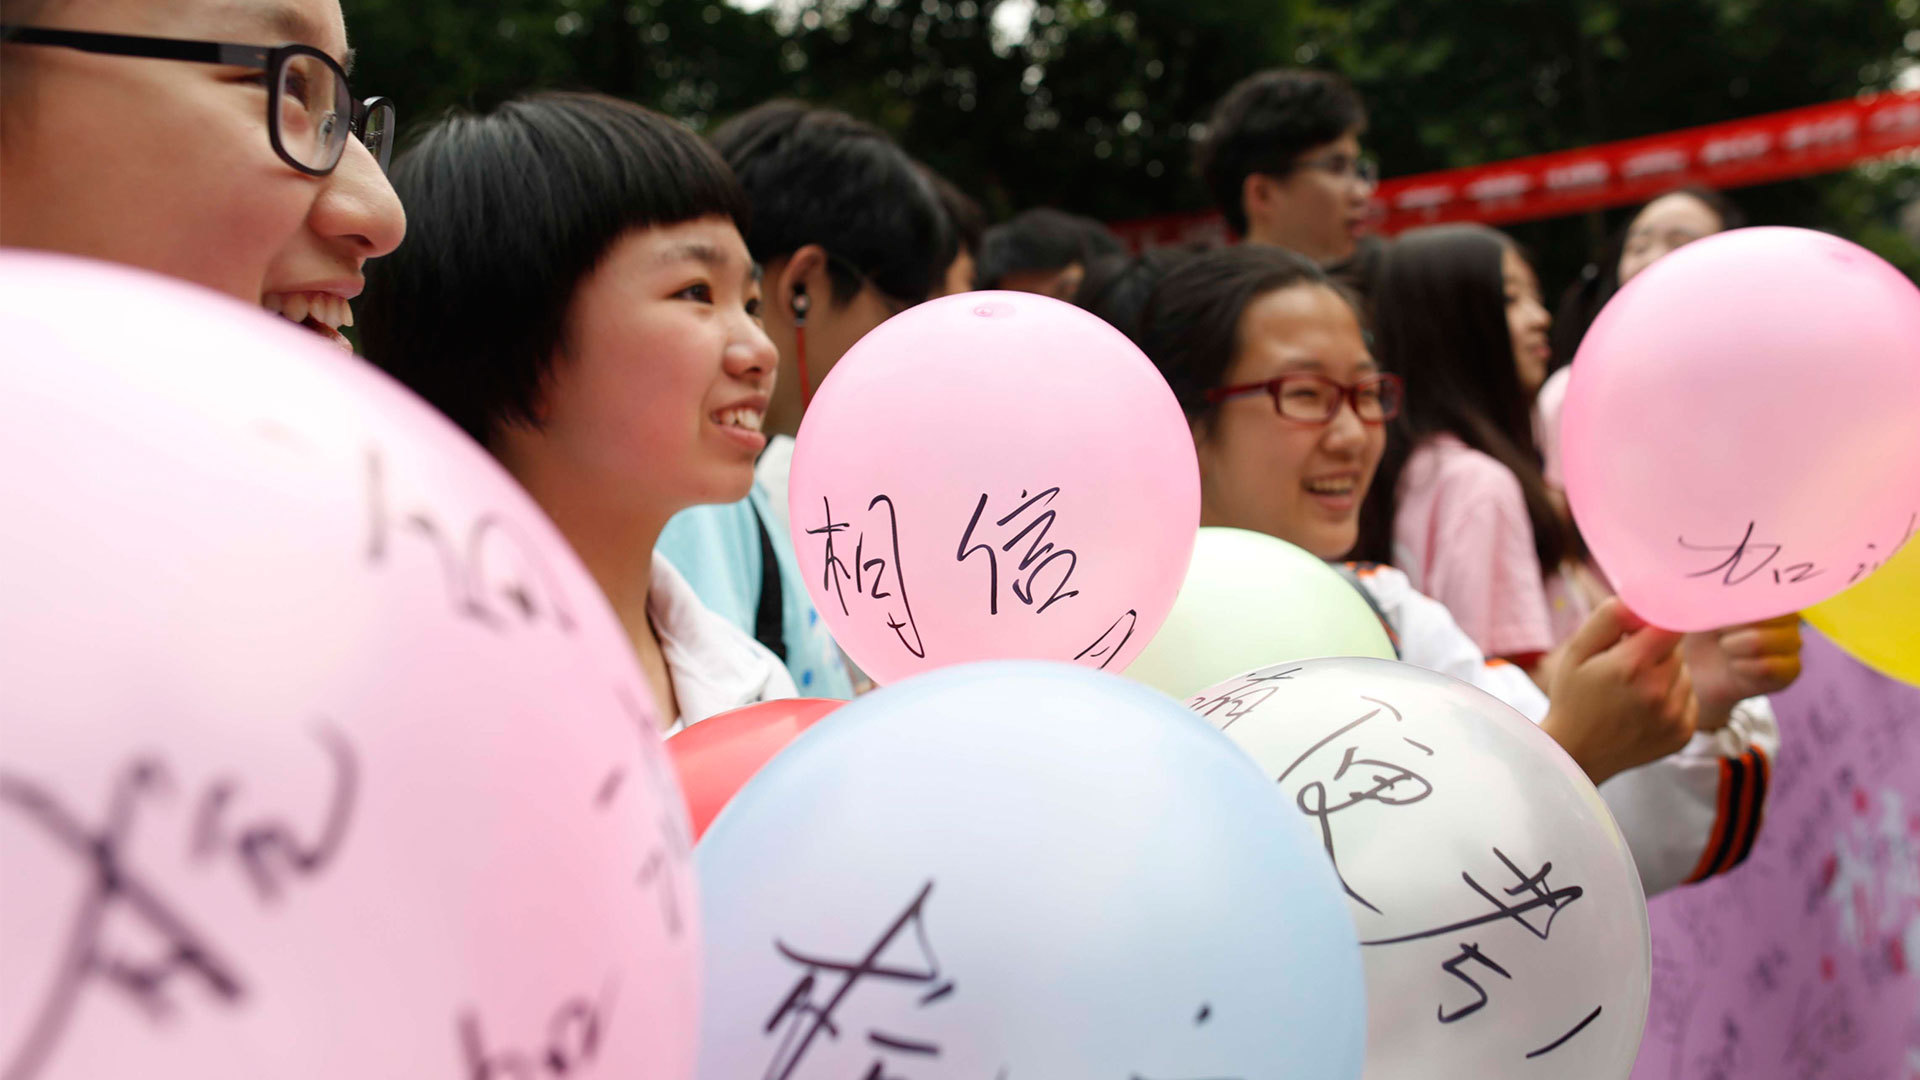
column 1092, row 105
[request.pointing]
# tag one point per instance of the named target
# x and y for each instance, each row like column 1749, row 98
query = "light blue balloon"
column 1022, row 871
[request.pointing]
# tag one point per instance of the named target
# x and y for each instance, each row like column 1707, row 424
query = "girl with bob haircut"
column 211, row 140
column 576, row 295
column 1289, row 410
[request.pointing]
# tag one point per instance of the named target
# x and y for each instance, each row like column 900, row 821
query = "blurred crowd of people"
column 632, row 320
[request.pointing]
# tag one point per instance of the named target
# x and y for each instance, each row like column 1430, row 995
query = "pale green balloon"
column 1251, row 600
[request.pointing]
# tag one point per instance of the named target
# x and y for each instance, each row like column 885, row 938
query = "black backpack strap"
column 769, row 621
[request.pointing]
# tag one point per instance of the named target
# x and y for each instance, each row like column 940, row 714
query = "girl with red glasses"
column 1290, row 413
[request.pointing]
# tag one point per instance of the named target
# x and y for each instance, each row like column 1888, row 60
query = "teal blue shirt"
column 717, row 549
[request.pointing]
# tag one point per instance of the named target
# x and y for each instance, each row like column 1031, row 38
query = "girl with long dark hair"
column 1461, row 503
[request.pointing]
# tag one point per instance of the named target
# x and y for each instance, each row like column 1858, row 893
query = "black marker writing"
column 666, row 856
column 1469, row 953
column 877, row 561
column 1876, row 559
column 1562, row 1040
column 1385, row 786
column 805, row 1020
column 1240, row 701
column 572, row 1043
column 271, row 852
column 267, row 850
column 495, row 574
column 1111, row 640
column 1540, row 894
column 1040, row 553
column 1379, row 781
column 1734, row 570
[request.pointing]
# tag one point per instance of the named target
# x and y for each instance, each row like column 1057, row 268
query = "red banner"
column 1756, row 150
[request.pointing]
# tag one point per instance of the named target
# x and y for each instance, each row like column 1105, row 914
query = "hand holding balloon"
column 1621, row 695
column 1728, row 666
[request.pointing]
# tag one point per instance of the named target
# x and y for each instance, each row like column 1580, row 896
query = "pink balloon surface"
column 993, row 475
column 320, row 754
column 1740, row 431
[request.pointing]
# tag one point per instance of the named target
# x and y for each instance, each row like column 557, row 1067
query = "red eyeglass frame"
column 1349, row 394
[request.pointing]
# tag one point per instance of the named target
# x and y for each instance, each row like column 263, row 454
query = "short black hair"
column 1191, row 326
column 507, row 212
column 818, row 176
column 1265, row 123
column 1042, row 239
column 1117, row 287
column 963, row 213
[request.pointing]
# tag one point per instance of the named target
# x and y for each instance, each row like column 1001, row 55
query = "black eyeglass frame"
column 270, row 59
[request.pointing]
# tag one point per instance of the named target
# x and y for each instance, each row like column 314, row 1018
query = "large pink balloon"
column 320, row 755
column 1741, row 435
column 993, row 475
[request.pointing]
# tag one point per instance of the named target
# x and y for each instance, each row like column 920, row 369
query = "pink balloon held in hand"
column 993, row 475
column 1739, row 434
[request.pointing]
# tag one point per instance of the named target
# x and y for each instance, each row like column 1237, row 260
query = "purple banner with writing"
column 1805, row 961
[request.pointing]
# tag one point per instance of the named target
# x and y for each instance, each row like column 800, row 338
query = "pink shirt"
column 1546, row 422
column 1463, row 537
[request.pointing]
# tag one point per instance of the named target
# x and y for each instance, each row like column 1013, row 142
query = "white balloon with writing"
column 1500, row 914
column 320, row 754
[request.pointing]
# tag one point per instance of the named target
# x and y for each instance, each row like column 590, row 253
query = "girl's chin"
column 1329, row 541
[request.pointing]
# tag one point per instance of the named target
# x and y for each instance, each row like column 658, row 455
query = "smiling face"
column 1303, row 483
column 167, row 165
column 1527, row 320
column 656, row 401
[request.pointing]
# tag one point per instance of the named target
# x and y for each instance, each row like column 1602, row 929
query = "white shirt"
column 774, row 471
column 715, row 667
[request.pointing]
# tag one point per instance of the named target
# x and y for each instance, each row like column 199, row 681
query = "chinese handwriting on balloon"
column 1539, row 894
column 268, row 852
column 1240, row 701
column 1747, row 559
column 801, row 1018
column 1107, row 646
column 1363, row 780
column 899, row 613
column 666, row 857
column 571, row 1046
column 496, row 575
column 1039, row 555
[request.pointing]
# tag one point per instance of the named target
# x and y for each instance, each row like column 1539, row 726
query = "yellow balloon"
column 1878, row 620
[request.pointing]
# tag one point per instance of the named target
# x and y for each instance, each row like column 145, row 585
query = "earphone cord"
column 800, row 363
column 801, row 304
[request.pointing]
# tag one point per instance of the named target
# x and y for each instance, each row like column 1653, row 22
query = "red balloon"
column 717, row 756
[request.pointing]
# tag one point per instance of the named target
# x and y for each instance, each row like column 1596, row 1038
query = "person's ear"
column 804, row 283
column 1258, row 194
